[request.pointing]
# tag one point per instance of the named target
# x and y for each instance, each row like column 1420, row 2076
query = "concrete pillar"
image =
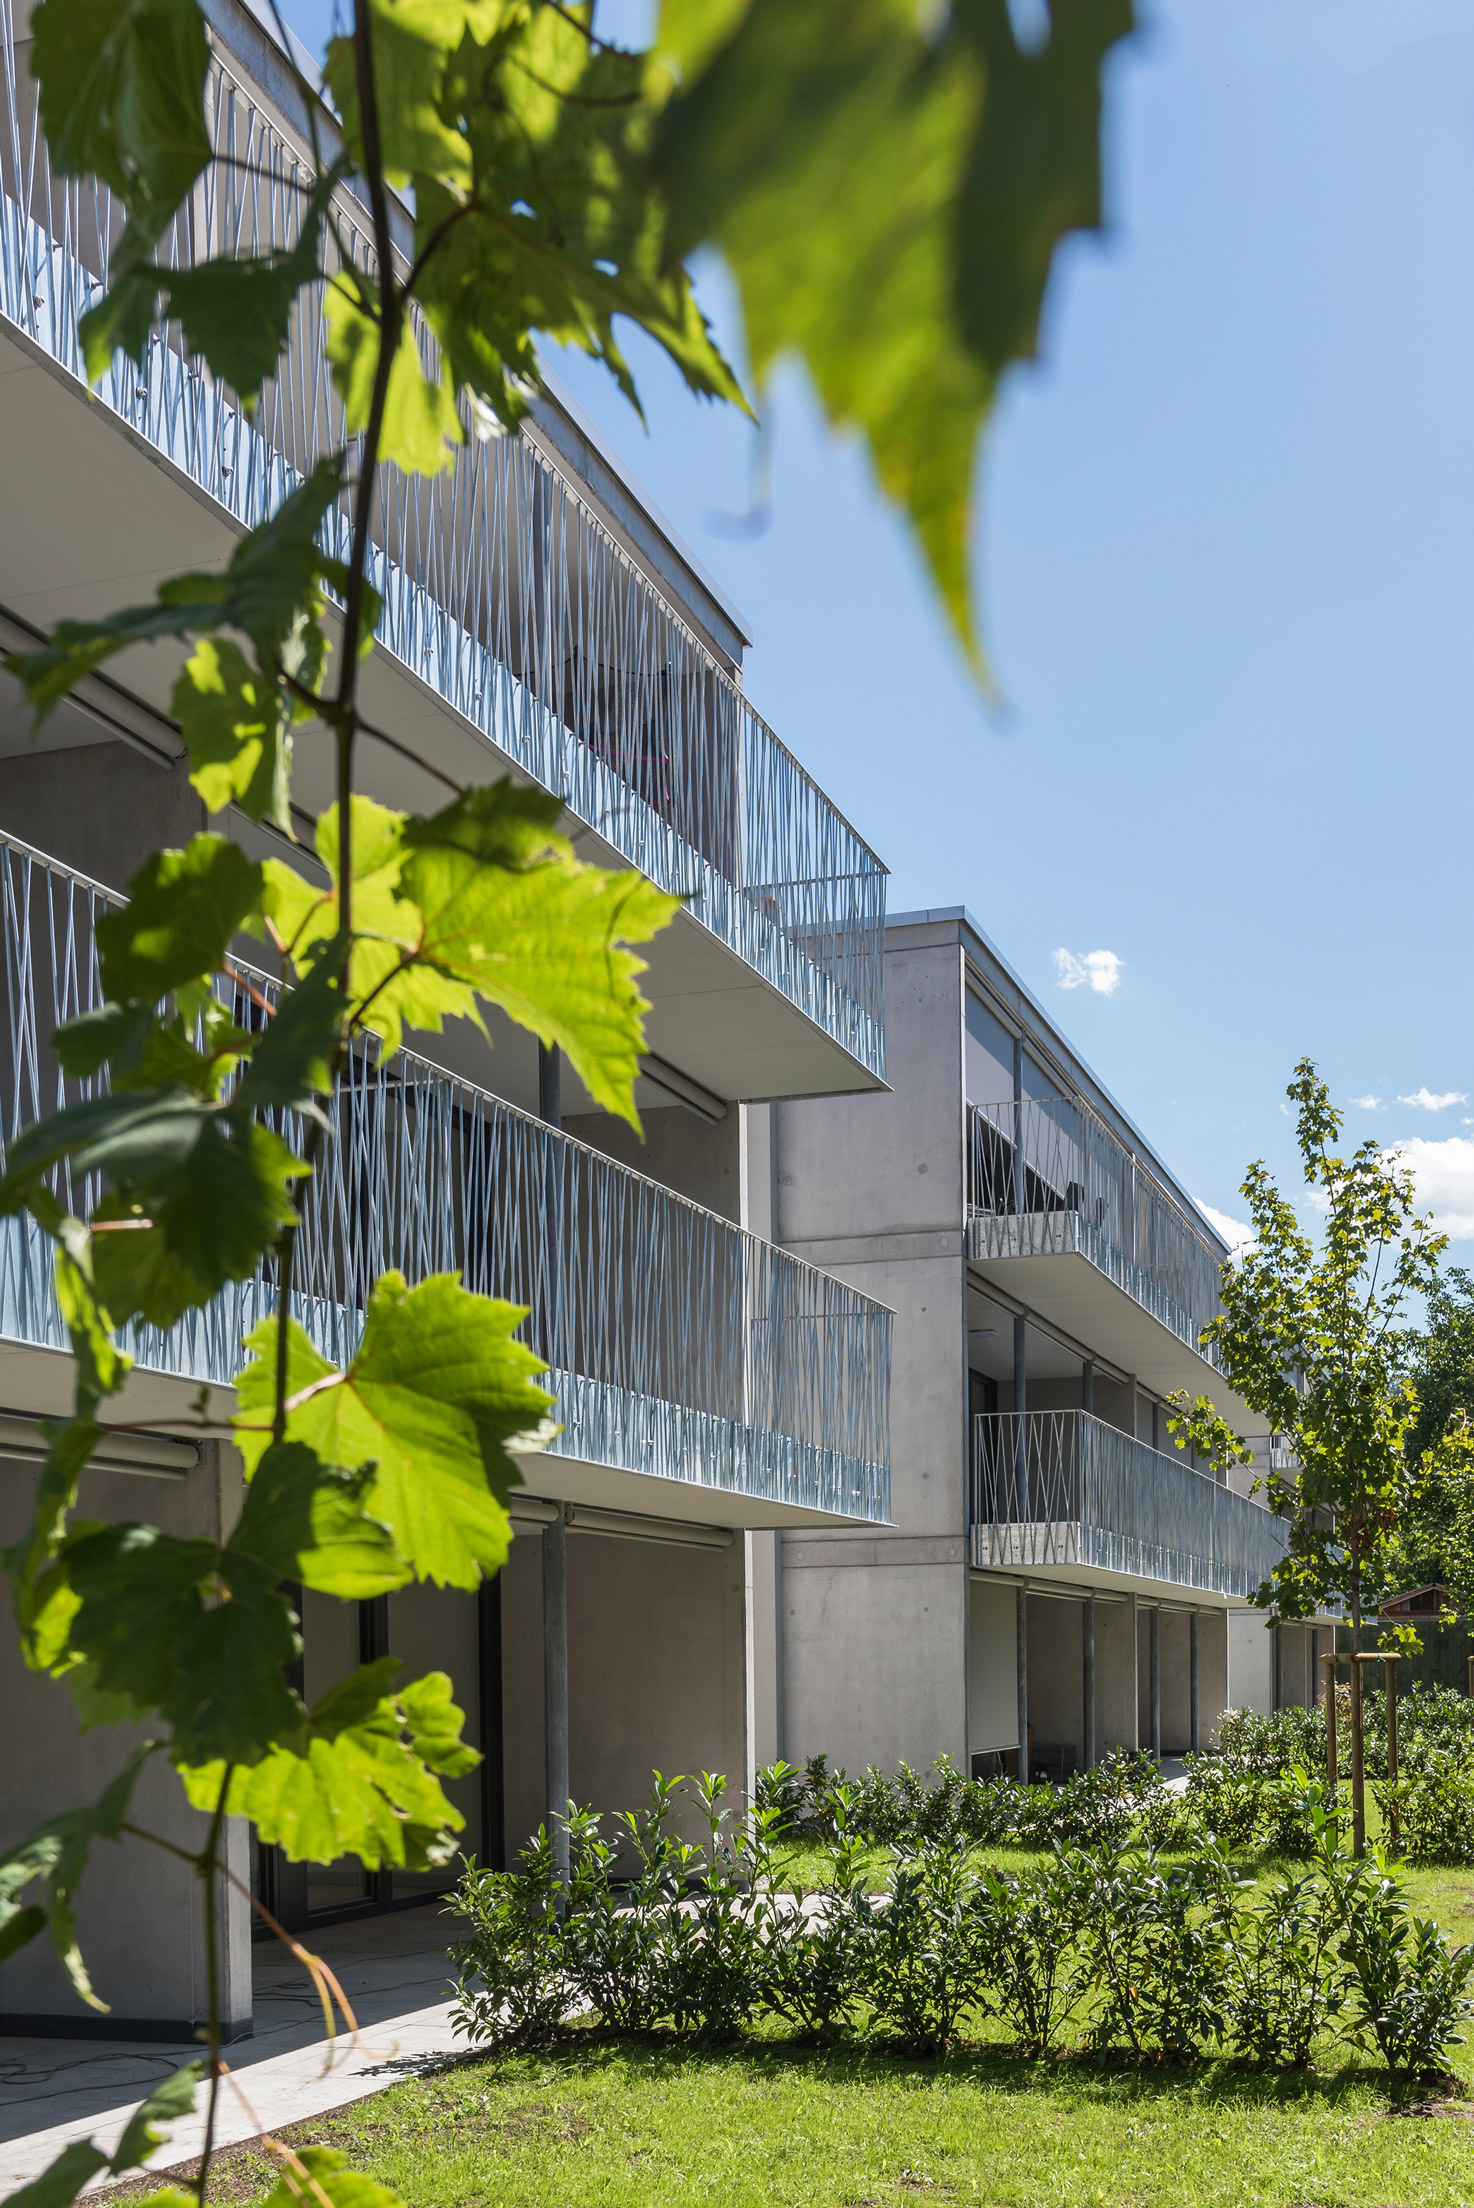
column 1087, row 1386
column 1192, row 1682
column 1088, row 1682
column 555, row 1683
column 1023, row 1685
column 1154, row 1678
column 1157, row 1426
column 550, row 1084
column 1020, row 1405
column 1278, row 1632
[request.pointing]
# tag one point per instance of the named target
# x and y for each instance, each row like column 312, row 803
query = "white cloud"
column 1423, row 1100
column 1100, row 970
column 1368, row 1103
column 1237, row 1233
column 1443, row 1175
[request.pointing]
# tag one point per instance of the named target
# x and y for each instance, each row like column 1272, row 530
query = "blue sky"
column 1226, row 548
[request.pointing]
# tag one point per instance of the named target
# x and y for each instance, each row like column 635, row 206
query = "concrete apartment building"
column 1055, row 1572
column 713, row 1564
column 540, row 619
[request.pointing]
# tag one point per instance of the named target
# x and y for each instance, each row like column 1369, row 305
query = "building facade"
column 540, row 619
column 1056, row 1575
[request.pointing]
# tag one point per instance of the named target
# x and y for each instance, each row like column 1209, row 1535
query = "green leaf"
column 57, row 1852
column 101, row 1367
column 173, row 2098
column 62, row 2180
column 236, row 726
column 183, row 910
column 360, row 1784
column 343, row 2187
column 421, row 427
column 122, row 97
column 292, row 1062
column 436, row 1398
column 511, row 914
column 227, row 1698
column 77, row 648
column 889, row 202
column 275, row 574
column 44, row 1627
column 112, row 1035
column 236, row 312
column 305, row 1520
column 198, row 1196
column 79, row 2162
column 137, row 1589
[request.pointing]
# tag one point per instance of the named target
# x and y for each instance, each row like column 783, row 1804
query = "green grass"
column 620, row 2126
column 662, row 2126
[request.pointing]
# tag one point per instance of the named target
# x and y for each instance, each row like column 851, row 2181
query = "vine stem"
column 209, row 1864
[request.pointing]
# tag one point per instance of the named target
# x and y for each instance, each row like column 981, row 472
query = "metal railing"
column 678, row 1344
column 1064, row 1488
column 1046, row 1176
column 502, row 589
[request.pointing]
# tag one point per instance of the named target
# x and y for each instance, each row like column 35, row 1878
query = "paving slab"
column 394, row 1972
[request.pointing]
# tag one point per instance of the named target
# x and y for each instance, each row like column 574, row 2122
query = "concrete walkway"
column 393, row 1970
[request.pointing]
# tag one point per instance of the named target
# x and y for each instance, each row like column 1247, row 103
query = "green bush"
column 1146, row 1955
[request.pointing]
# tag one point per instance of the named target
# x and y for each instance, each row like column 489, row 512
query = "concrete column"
column 1192, row 1680
column 555, row 1683
column 1020, row 1405
column 1157, row 1426
column 1278, row 1631
column 1022, row 1597
column 1087, row 1386
column 1089, row 1681
column 550, row 1084
column 1154, row 1678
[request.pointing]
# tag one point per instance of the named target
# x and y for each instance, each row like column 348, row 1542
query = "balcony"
column 1063, row 1215
column 517, row 630
column 698, row 1372
column 1061, row 1494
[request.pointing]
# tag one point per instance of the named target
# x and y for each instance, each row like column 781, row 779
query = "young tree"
column 1435, row 1541
column 888, row 183
column 1315, row 1343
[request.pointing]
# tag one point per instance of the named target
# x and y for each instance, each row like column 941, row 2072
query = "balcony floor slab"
column 1069, row 1292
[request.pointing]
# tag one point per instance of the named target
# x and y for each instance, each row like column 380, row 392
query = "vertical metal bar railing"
column 678, row 1344
column 1047, row 1176
column 1097, row 1498
column 502, row 589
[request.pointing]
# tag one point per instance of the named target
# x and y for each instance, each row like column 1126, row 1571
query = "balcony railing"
column 502, row 589
column 1046, row 1177
column 678, row 1344
column 1063, row 1488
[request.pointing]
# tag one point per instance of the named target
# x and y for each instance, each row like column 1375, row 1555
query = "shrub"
column 1434, row 1808
column 819, row 1946
column 511, row 1969
column 1409, row 1990
column 923, row 1958
column 1025, row 1930
column 714, row 1950
column 1152, row 1941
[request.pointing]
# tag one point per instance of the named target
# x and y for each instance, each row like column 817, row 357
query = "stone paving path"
column 393, row 1970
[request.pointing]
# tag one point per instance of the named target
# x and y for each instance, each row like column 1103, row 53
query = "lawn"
column 610, row 2125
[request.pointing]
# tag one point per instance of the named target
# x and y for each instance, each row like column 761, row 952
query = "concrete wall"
column 1056, row 1673
column 101, row 808
column 140, row 1926
column 874, row 1627
column 697, row 1157
column 656, row 1671
column 1250, row 1662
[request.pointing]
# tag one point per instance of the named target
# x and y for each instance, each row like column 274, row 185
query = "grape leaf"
column 359, row 1784
column 889, row 197
column 236, row 724
column 56, row 1852
column 79, row 2161
column 435, row 1399
column 342, row 2187
column 122, row 97
column 183, row 909
column 305, row 1520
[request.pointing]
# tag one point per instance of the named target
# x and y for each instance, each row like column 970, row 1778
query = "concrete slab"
column 393, row 1971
